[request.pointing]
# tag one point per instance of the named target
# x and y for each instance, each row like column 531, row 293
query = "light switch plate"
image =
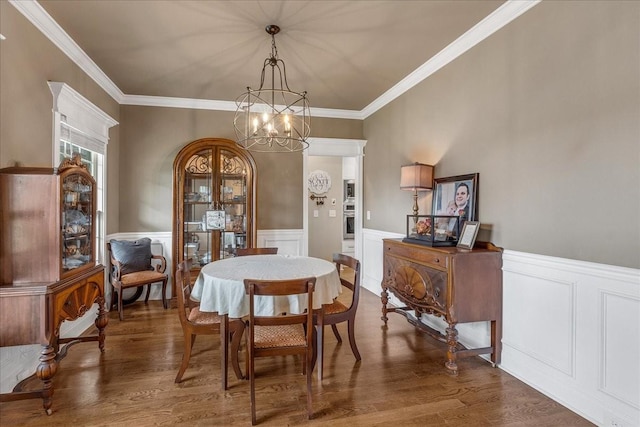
column 332, row 213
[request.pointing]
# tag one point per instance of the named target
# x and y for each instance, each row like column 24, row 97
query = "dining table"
column 219, row 288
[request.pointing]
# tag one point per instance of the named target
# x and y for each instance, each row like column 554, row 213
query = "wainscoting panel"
column 619, row 358
column 288, row 242
column 571, row 329
column 372, row 261
column 596, row 307
column 530, row 297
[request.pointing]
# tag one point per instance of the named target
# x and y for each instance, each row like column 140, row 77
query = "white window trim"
column 82, row 115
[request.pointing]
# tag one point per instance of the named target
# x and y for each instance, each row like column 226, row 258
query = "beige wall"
column 153, row 136
column 547, row 111
column 27, row 61
column 325, row 232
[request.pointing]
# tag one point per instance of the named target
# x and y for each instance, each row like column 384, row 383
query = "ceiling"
column 345, row 54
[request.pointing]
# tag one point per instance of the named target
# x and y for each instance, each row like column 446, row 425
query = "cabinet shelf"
column 73, row 236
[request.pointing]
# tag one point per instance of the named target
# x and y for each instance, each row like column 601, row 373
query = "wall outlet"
column 611, row 420
column 332, row 213
column 316, row 214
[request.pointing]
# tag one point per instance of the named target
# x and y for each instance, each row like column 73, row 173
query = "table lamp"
column 416, row 177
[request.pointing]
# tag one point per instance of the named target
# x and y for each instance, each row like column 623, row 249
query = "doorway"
column 324, row 234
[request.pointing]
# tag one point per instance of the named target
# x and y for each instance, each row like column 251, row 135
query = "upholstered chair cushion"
column 141, row 277
column 134, row 255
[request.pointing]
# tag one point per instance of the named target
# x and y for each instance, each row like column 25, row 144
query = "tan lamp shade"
column 416, row 177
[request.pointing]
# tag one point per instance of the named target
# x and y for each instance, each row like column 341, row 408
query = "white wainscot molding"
column 288, row 242
column 571, row 329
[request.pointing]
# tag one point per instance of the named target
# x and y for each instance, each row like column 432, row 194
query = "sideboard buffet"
column 456, row 285
column 48, row 268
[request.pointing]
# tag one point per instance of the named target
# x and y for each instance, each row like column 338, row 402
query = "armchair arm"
column 116, row 269
column 162, row 266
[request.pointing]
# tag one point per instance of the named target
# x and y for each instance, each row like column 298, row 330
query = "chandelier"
column 272, row 119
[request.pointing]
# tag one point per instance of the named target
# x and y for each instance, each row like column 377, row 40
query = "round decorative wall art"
column 319, row 182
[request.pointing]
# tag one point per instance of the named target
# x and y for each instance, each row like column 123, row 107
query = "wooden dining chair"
column 256, row 251
column 280, row 335
column 337, row 311
column 195, row 322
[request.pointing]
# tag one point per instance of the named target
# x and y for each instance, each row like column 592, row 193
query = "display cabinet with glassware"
column 214, row 202
column 48, row 267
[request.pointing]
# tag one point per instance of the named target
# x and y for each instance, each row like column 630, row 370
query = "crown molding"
column 164, row 101
column 32, row 10
column 506, row 13
column 342, row 147
column 206, row 104
column 336, row 114
column 503, row 15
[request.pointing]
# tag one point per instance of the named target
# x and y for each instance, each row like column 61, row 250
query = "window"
column 81, row 127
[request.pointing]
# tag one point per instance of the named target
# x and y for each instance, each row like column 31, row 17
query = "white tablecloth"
column 220, row 284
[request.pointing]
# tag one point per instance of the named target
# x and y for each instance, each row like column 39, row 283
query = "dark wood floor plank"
column 400, row 380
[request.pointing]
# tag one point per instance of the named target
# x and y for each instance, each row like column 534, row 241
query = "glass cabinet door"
column 77, row 221
column 214, row 201
column 233, row 200
column 197, row 199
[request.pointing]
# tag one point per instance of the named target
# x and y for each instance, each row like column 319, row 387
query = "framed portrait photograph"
column 468, row 234
column 457, row 196
column 215, row 220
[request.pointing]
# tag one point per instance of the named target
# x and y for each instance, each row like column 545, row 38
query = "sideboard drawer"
column 417, row 254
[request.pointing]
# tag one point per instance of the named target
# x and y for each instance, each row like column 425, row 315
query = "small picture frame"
column 468, row 235
column 215, row 219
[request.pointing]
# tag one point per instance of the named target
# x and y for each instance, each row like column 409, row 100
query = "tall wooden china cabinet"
column 48, row 268
column 214, row 202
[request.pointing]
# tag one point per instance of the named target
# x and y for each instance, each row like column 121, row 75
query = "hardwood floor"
column 400, row 380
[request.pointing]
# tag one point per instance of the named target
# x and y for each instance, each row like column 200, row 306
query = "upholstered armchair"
column 131, row 267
